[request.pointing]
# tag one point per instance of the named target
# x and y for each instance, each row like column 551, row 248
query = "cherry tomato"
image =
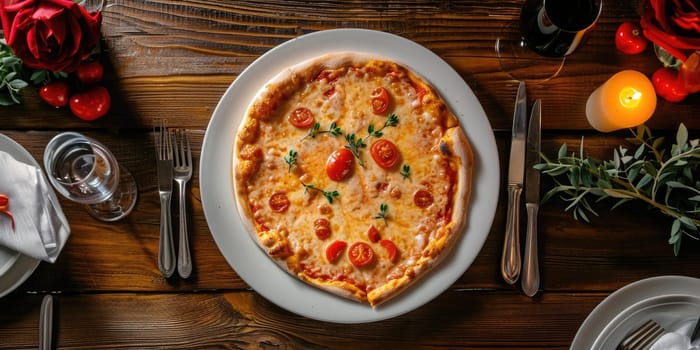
column 91, row 104
column 301, row 118
column 90, row 73
column 339, row 164
column 279, row 202
column 391, row 250
column 667, row 85
column 360, row 254
column 322, row 228
column 335, row 250
column 373, row 234
column 629, row 38
column 423, row 198
column 55, row 93
column 384, row 153
column 380, row 100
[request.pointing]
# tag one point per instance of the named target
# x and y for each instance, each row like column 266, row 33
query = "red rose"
column 50, row 34
column 672, row 24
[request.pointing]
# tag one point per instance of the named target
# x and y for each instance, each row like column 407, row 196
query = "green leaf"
column 687, row 222
column 562, row 151
column 675, row 227
column 646, row 180
column 18, row 84
column 681, row 135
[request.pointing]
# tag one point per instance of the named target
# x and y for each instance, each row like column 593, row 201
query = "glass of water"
column 85, row 171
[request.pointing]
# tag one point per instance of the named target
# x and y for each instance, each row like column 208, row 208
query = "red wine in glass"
column 535, row 47
column 555, row 28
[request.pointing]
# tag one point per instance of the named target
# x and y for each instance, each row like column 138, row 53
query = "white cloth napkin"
column 677, row 340
column 41, row 229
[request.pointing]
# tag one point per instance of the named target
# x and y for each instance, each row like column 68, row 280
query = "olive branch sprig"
column 668, row 181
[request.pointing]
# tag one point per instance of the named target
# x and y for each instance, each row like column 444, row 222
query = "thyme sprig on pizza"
column 355, row 143
column 358, row 229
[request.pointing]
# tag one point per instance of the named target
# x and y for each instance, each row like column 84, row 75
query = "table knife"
column 531, row 270
column 46, row 323
column 510, row 260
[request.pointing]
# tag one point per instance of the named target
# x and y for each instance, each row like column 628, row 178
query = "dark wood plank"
column 456, row 319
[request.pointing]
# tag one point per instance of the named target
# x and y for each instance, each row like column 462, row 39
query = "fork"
column 643, row 337
column 182, row 172
column 164, row 155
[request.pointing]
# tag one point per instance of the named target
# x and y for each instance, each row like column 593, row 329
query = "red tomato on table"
column 667, row 85
column 629, row 38
column 90, row 73
column 91, row 104
column 55, row 93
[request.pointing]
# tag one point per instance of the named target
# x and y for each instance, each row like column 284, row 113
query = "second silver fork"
column 182, row 173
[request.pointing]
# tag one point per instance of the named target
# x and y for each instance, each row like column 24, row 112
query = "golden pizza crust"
column 256, row 157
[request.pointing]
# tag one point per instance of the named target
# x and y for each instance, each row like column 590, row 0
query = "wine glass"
column 85, row 171
column 535, row 47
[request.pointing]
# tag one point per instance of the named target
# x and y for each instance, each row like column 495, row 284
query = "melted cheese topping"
column 343, row 96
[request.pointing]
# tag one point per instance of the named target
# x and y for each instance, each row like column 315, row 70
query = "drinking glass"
column 535, row 47
column 85, row 171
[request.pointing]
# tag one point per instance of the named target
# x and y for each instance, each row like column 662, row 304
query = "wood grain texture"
column 244, row 320
column 175, row 59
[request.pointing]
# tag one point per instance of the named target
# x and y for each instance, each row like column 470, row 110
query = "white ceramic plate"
column 668, row 300
column 15, row 267
column 253, row 265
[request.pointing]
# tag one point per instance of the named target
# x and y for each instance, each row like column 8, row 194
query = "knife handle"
column 531, row 268
column 46, row 323
column 166, row 249
column 510, row 261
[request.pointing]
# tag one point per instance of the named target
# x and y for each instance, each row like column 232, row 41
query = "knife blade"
column 531, row 270
column 510, row 260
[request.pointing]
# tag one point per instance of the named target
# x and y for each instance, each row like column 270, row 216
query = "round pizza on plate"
column 352, row 174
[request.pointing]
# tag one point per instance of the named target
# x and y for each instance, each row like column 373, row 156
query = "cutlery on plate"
column 182, row 172
column 46, row 323
column 531, row 269
column 510, row 260
column 164, row 152
column 643, row 337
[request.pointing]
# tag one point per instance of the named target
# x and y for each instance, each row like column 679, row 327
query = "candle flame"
column 630, row 97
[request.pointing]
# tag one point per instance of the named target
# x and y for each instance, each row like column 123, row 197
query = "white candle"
column 626, row 100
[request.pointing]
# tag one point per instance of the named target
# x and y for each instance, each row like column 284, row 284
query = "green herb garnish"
column 355, row 143
column 329, row 195
column 406, row 171
column 382, row 212
column 10, row 77
column 333, row 129
column 291, row 160
column 668, row 181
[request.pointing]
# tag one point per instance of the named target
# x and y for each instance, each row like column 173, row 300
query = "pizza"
column 352, row 174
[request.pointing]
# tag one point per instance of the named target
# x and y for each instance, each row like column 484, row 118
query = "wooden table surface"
column 175, row 59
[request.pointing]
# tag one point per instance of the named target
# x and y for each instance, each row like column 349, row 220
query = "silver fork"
column 164, row 155
column 643, row 337
column 182, row 172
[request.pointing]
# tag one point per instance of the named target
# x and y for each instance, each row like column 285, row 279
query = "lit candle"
column 626, row 100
